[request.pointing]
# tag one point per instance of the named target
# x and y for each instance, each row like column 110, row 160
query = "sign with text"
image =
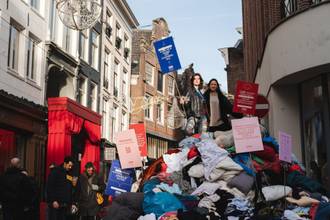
column 140, row 132
column 167, row 56
column 245, row 97
column 285, row 147
column 247, row 135
column 109, row 153
column 119, row 180
column 128, row 149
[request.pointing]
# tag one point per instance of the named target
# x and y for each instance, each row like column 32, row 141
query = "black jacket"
column 196, row 104
column 226, row 108
column 87, row 201
column 15, row 188
column 59, row 187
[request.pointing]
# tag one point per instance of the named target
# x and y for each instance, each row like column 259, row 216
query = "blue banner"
column 167, row 56
column 119, row 180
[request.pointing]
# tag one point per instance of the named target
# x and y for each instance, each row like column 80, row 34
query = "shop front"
column 73, row 130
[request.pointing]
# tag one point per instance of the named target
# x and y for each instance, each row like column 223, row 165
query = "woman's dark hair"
column 192, row 81
column 215, row 80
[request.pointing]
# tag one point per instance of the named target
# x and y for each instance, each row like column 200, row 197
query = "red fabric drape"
column 92, row 149
column 7, row 148
column 61, row 125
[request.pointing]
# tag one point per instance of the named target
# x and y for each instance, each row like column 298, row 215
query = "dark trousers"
column 88, row 218
column 12, row 213
column 57, row 214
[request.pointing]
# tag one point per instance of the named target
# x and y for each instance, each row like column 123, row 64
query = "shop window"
column 314, row 110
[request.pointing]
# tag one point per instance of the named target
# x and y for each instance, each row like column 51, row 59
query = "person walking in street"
column 15, row 188
column 89, row 185
column 60, row 198
column 218, row 108
column 194, row 104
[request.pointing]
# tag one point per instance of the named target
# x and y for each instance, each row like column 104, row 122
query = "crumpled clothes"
column 184, row 185
column 150, row 216
column 211, row 155
column 208, row 201
column 225, row 170
column 174, row 189
column 290, row 215
column 175, row 161
column 188, row 142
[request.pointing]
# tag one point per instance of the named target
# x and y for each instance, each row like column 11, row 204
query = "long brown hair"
column 200, row 86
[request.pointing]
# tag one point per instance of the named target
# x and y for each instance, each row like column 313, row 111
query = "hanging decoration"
column 78, row 14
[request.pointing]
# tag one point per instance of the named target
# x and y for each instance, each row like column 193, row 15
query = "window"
column 114, row 121
column 115, row 79
column 126, row 47
column 170, row 117
column 124, row 86
column 170, row 85
column 66, row 39
column 13, row 48
column 148, row 107
column 118, row 38
column 82, row 91
column 115, row 84
column 95, row 49
column 149, row 73
column 289, row 7
column 93, row 96
column 106, row 69
column 105, row 119
column 31, row 58
column 83, row 45
column 35, row 4
column 160, row 81
column 160, row 113
column 108, row 28
column 123, row 119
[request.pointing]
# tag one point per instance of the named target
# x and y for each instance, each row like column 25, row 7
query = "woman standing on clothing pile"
column 218, row 108
column 194, row 104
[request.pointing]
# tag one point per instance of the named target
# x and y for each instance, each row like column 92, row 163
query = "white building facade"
column 118, row 23
column 23, row 28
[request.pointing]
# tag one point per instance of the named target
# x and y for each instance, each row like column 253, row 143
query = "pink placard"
column 247, row 135
column 128, row 149
column 285, row 147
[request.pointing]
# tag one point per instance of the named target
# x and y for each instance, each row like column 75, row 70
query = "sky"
column 199, row 29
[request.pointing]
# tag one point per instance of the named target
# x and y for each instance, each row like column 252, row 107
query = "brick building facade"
column 234, row 60
column 286, row 51
column 152, row 92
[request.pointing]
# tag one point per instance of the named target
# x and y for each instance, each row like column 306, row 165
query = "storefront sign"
column 140, row 132
column 167, row 56
column 119, row 180
column 285, row 150
column 245, row 97
column 247, row 135
column 128, row 149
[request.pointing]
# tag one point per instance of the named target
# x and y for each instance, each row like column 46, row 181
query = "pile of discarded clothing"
column 206, row 179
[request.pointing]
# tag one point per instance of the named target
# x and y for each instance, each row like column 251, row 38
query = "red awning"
column 65, row 118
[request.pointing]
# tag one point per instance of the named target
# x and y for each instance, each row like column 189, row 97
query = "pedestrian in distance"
column 194, row 104
column 89, row 184
column 218, row 108
column 15, row 189
column 62, row 202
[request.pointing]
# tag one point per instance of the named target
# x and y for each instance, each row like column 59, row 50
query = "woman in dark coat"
column 218, row 108
column 89, row 184
column 194, row 104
